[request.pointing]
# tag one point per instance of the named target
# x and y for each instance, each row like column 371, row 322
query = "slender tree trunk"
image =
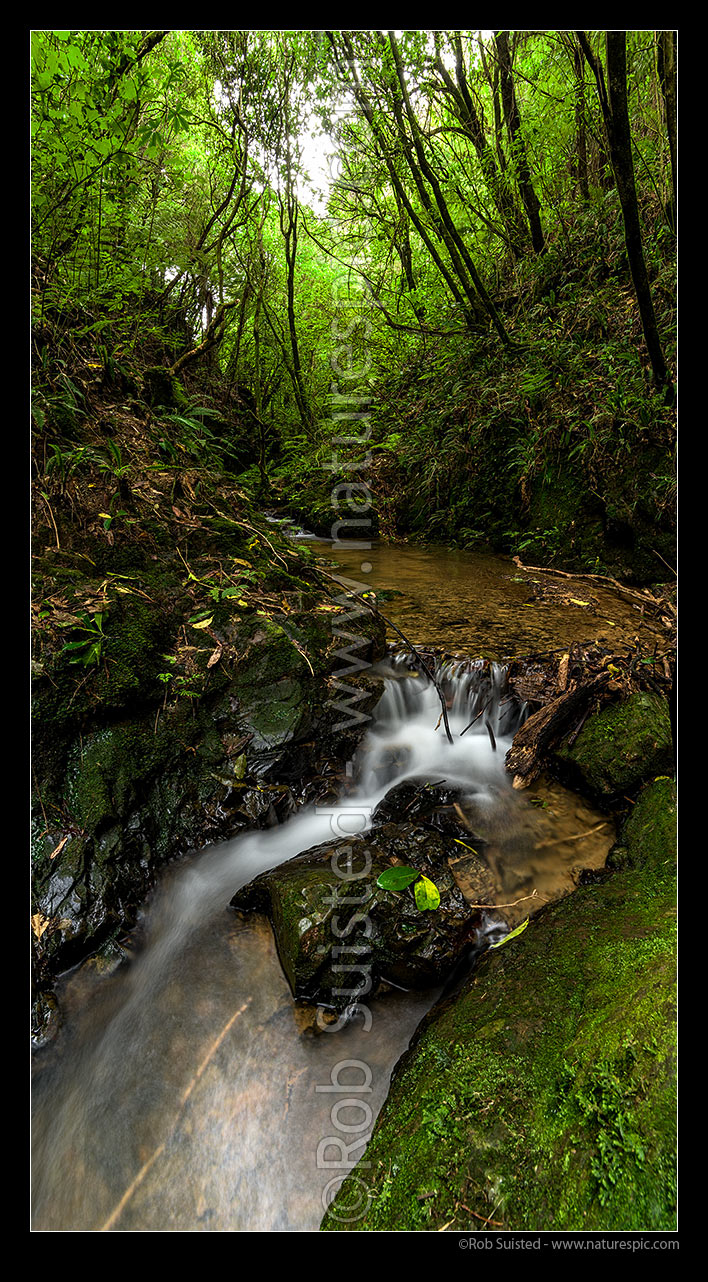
column 580, row 125
column 666, row 70
column 516, row 141
column 613, row 100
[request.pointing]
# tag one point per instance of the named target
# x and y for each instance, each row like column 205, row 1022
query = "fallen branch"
column 631, row 594
column 524, row 757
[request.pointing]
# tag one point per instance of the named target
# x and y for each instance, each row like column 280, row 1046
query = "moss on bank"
column 543, row 1095
column 619, row 747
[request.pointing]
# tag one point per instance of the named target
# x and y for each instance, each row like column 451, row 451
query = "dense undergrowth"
column 560, row 451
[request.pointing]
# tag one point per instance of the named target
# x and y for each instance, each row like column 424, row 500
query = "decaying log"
column 525, row 757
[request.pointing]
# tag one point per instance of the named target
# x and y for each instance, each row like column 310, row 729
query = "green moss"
column 649, row 834
column 619, row 747
column 542, row 1096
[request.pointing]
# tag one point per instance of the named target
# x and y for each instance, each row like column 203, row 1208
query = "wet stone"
column 340, row 935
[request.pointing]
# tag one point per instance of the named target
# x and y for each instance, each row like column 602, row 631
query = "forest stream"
column 186, row 1091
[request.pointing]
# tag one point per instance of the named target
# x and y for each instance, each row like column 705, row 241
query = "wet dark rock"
column 433, row 804
column 339, row 934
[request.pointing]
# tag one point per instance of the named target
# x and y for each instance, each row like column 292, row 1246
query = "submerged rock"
column 543, row 1095
column 339, row 934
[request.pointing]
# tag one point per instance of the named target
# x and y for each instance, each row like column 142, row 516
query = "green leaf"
column 511, row 934
column 427, row 894
column 397, row 878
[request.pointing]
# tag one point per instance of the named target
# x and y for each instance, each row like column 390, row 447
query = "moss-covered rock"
column 543, row 1095
column 339, row 933
column 619, row 748
column 648, row 836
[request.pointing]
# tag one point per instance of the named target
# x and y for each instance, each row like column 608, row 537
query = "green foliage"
column 88, row 649
column 173, row 185
column 427, row 895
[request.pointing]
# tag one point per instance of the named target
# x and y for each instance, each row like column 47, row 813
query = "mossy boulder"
column 339, row 934
column 543, row 1095
column 619, row 748
column 648, row 836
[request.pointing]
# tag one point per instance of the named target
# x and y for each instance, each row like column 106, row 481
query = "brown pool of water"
column 538, row 844
column 482, row 605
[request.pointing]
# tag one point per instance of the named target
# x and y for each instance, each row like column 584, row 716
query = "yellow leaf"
column 39, row 924
column 512, row 935
column 574, row 601
column 204, row 623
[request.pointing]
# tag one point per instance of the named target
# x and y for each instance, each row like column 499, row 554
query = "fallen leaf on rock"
column 40, row 923
column 58, row 849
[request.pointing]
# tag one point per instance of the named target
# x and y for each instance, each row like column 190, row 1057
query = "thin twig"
column 476, row 718
column 534, row 895
column 118, row 1210
column 498, row 1224
column 669, row 567
column 559, row 841
column 375, row 610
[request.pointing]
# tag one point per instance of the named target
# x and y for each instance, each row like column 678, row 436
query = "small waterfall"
column 407, row 739
column 187, row 1099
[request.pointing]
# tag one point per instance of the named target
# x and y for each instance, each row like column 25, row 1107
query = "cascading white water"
column 187, row 1099
column 408, row 740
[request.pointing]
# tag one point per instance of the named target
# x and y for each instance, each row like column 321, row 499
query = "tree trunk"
column 516, row 140
column 666, row 70
column 581, row 140
column 613, row 101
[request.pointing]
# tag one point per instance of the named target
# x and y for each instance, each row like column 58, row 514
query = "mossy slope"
column 543, row 1095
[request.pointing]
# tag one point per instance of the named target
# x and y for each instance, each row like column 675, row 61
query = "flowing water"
column 186, row 1091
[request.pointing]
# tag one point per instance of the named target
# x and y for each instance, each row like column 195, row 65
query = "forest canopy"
column 216, row 201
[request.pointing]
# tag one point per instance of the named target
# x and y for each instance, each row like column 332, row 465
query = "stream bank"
column 189, row 695
column 543, row 1095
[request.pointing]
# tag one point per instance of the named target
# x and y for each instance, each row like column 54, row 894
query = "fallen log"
column 525, row 757
column 638, row 596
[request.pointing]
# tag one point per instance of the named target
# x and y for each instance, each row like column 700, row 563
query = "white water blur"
column 135, row 1118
